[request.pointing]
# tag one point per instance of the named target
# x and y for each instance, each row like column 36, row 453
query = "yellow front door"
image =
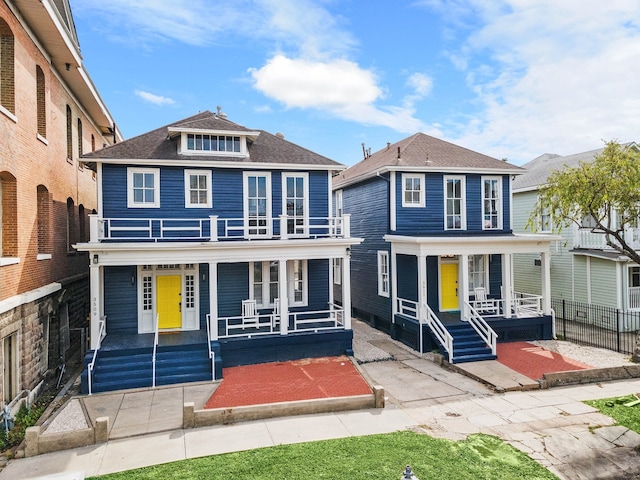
column 169, row 304
column 449, row 286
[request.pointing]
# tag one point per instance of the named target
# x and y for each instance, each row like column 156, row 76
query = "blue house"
column 435, row 267
column 213, row 246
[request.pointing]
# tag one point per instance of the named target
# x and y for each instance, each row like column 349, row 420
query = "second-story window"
column 413, row 190
column 295, row 202
column 197, row 185
column 143, row 190
column 454, row 189
column 212, row 143
column 257, row 203
column 491, row 205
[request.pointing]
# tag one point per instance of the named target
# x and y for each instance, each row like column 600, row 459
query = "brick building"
column 50, row 114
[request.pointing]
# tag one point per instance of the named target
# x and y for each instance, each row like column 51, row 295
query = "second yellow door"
column 449, row 286
column 169, row 303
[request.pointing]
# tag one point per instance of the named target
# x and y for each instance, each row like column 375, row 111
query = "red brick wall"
column 33, row 162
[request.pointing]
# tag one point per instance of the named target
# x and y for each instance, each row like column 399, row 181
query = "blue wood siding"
column 318, row 281
column 203, row 292
column 407, row 277
column 369, row 208
column 495, row 275
column 429, row 220
column 433, row 287
column 233, row 287
column 121, row 300
column 227, row 194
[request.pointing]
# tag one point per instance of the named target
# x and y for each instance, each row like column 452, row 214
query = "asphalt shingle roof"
column 157, row 145
column 421, row 150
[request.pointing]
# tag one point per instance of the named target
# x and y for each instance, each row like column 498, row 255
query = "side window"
column 7, row 79
column 413, row 190
column 8, row 217
column 197, row 184
column 383, row 273
column 44, row 220
column 69, row 135
column 41, row 105
column 143, row 187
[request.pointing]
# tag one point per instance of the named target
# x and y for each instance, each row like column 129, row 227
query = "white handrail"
column 440, row 331
column 479, row 324
column 102, row 326
column 155, row 348
column 211, row 352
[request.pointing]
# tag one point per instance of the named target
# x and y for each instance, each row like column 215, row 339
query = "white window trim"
column 485, row 260
column 187, row 189
column 463, row 201
column 183, row 150
column 421, row 177
column 291, row 284
column 629, row 286
column 383, row 283
column 156, row 187
column 337, row 271
column 500, row 205
column 245, row 208
column 304, row 175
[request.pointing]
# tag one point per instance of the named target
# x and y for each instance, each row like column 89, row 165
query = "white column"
column 284, row 300
column 346, row 290
column 507, row 284
column 331, row 300
column 422, row 287
column 545, row 277
column 463, row 286
column 96, row 304
column 392, row 201
column 213, row 299
column 393, row 281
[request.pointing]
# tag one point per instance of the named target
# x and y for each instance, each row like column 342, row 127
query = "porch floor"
column 145, row 340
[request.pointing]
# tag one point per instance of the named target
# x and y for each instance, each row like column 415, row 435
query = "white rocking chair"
column 249, row 314
column 482, row 303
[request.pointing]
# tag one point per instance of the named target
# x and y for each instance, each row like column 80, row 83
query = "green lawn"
column 374, row 457
column 614, row 408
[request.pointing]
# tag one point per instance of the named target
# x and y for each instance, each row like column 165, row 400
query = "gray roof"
column 158, row 145
column 539, row 169
column 424, row 152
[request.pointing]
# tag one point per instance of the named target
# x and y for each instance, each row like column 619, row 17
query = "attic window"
column 212, row 143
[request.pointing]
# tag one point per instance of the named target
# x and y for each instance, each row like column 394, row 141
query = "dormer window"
column 212, row 143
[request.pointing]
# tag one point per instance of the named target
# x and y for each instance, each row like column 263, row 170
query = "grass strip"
column 616, row 409
column 373, row 457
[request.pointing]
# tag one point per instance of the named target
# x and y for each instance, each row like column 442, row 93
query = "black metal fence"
column 596, row 325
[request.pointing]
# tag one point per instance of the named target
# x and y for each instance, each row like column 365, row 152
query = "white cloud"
column 421, row 83
column 155, row 99
column 551, row 76
column 339, row 87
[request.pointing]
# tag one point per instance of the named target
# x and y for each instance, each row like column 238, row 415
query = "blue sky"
column 508, row 78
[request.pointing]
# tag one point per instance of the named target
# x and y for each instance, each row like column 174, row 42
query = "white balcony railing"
column 268, row 323
column 585, row 238
column 634, row 298
column 214, row 228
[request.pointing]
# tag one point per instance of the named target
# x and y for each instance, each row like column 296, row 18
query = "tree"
column 603, row 195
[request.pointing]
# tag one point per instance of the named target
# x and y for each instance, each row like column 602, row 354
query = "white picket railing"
column 482, row 328
column 101, row 333
column 634, row 298
column 585, row 238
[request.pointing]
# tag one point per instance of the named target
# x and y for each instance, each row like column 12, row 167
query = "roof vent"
column 220, row 113
column 280, row 135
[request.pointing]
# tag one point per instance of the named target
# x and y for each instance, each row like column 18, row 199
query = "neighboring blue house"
column 222, row 236
column 438, row 247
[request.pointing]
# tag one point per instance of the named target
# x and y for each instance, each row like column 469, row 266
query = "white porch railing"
column 522, row 305
column 585, row 238
column 634, row 297
column 268, row 323
column 101, row 334
column 155, row 349
column 410, row 309
column 482, row 328
column 214, row 228
column 211, row 352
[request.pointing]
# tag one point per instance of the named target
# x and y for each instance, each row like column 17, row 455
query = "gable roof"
column 263, row 147
column 539, row 169
column 421, row 152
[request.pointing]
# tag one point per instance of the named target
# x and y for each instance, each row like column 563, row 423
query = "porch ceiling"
column 114, row 254
column 469, row 245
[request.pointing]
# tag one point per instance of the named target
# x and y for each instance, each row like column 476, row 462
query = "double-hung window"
column 478, row 272
column 413, row 190
column 634, row 288
column 257, row 203
column 143, row 189
column 545, row 224
column 454, row 205
column 491, row 204
column 264, row 279
column 383, row 273
column 197, row 185
column 296, row 202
